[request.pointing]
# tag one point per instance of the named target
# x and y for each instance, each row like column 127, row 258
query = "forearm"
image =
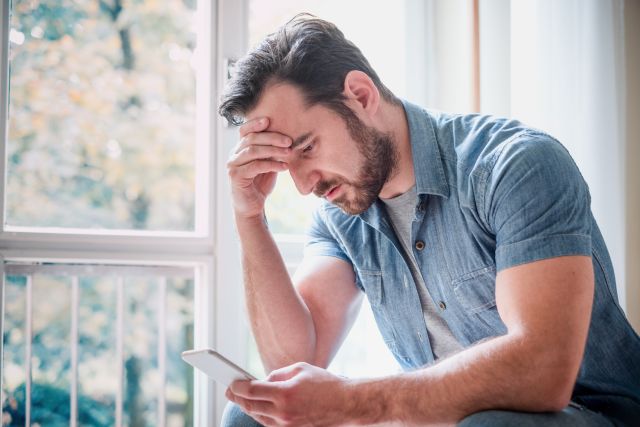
column 280, row 320
column 504, row 372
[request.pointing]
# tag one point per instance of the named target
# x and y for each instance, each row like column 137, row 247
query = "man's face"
column 342, row 160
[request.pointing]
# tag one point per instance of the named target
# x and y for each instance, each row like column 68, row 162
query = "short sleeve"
column 536, row 202
column 320, row 241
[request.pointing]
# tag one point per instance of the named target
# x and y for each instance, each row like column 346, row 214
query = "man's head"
column 316, row 87
column 307, row 52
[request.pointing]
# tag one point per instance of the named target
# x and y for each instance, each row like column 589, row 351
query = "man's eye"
column 307, row 148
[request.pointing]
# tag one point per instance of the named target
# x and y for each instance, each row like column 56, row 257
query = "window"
column 107, row 212
column 101, row 115
column 116, row 232
column 69, row 328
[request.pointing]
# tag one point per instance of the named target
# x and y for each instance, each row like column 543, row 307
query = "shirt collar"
column 427, row 161
column 427, row 165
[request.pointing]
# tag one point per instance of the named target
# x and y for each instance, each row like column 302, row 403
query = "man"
column 471, row 236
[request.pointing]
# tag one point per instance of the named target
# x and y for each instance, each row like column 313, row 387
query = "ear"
column 361, row 92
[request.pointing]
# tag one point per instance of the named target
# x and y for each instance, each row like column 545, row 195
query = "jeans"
column 571, row 416
column 234, row 417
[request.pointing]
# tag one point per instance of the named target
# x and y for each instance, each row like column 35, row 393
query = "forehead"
column 288, row 113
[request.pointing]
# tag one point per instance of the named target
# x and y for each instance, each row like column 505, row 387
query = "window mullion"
column 28, row 348
column 4, row 98
column 73, row 339
column 230, row 326
column 162, row 345
column 119, row 349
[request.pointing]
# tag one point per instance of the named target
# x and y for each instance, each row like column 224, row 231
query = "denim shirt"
column 491, row 194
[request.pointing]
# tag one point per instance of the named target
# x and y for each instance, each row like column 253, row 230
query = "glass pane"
column 179, row 381
column 97, row 351
column 287, row 211
column 102, row 114
column 140, row 353
column 144, row 296
column 51, row 356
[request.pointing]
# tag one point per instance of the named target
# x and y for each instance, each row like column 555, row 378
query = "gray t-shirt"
column 401, row 210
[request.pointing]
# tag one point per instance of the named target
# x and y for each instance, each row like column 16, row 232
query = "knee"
column 234, row 417
column 486, row 419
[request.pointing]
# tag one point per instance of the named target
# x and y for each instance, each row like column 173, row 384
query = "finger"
column 286, row 373
column 264, row 138
column 255, row 407
column 255, row 168
column 265, row 421
column 259, row 152
column 255, row 125
column 260, row 390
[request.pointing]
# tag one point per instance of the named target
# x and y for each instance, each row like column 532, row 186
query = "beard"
column 379, row 164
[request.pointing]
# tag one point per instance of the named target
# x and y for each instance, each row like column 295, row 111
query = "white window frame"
column 211, row 249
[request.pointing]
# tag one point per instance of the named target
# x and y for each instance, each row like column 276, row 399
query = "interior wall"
column 632, row 196
column 453, row 55
column 495, row 58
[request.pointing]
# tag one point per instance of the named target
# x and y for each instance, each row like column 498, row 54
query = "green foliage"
column 55, row 17
column 97, row 384
column 102, row 114
column 50, row 407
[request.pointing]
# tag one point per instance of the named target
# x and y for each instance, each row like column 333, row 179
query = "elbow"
column 555, row 389
column 560, row 397
column 283, row 360
column 551, row 376
column 548, row 371
column 556, row 402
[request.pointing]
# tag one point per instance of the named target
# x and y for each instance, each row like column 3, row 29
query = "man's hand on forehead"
column 254, row 132
column 259, row 146
column 254, row 164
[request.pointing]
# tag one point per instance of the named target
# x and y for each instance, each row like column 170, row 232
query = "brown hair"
column 307, row 52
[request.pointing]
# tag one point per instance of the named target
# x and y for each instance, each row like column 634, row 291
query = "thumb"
column 286, row 373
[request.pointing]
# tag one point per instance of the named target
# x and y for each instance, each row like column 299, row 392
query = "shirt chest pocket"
column 371, row 282
column 475, row 291
column 383, row 312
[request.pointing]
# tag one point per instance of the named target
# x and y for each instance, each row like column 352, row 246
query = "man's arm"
column 302, row 323
column 291, row 324
column 546, row 306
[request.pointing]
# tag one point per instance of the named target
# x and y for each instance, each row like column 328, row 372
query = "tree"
column 102, row 123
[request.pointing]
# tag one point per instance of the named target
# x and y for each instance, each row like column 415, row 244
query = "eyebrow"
column 300, row 140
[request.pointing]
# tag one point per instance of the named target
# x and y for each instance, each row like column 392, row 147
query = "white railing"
column 119, row 272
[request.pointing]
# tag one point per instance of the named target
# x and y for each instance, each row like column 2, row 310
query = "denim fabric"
column 491, row 194
column 571, row 416
column 568, row 417
column 233, row 416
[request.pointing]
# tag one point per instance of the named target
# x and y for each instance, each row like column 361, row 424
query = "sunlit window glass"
column 101, row 114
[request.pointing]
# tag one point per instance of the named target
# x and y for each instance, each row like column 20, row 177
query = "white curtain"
column 567, row 78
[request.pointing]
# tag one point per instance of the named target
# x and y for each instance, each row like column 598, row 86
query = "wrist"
column 369, row 401
column 251, row 220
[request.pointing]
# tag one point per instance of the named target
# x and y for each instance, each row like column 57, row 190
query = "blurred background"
column 117, row 235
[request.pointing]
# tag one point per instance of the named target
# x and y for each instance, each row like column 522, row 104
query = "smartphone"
column 216, row 366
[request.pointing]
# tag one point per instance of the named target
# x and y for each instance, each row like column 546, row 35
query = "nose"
column 304, row 178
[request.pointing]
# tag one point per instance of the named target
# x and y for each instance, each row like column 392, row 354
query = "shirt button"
column 442, row 305
column 419, row 245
